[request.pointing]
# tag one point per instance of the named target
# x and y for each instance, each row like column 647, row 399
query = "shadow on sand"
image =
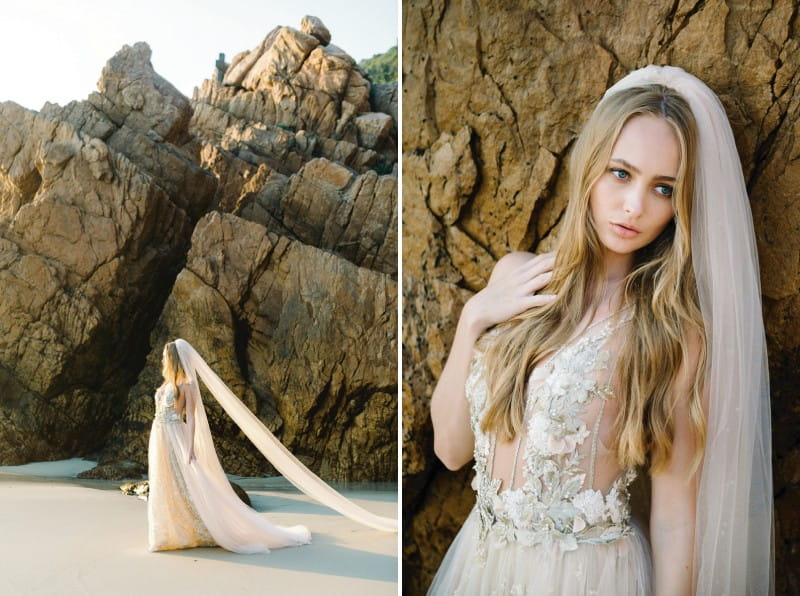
column 323, row 556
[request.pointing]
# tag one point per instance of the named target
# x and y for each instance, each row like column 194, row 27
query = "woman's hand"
column 191, row 457
column 512, row 289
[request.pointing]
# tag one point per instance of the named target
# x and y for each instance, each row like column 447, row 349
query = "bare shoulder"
column 512, row 261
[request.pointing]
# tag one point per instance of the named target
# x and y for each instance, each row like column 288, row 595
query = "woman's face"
column 631, row 202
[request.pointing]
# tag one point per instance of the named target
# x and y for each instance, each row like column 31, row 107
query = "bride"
column 191, row 502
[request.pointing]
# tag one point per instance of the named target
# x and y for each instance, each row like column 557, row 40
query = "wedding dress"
column 561, row 524
column 188, row 507
column 193, row 504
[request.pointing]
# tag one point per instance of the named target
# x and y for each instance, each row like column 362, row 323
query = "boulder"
column 374, row 129
column 131, row 93
column 141, row 490
column 116, row 471
column 383, row 98
column 315, row 27
column 243, row 123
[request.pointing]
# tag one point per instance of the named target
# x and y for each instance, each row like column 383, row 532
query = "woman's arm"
column 511, row 290
column 187, row 392
column 674, row 496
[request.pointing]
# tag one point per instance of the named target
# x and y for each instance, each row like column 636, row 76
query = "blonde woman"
column 191, row 502
column 638, row 347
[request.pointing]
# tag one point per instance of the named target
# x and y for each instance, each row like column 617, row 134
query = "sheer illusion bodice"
column 165, row 405
column 551, row 513
column 553, row 493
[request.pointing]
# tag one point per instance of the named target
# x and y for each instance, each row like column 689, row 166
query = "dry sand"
column 60, row 535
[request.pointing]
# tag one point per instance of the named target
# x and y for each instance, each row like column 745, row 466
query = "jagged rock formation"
column 493, row 100
column 271, row 313
column 91, row 233
column 326, row 205
column 292, row 99
column 140, row 215
column 291, row 154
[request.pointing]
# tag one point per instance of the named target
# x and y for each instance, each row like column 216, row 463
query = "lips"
column 624, row 230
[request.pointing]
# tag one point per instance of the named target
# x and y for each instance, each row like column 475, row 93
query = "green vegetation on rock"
column 381, row 68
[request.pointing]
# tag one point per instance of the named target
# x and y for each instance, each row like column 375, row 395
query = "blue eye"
column 620, row 174
column 664, row 190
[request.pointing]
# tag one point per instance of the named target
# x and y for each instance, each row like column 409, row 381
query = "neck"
column 615, row 268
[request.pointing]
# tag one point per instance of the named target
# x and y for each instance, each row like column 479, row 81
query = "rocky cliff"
column 494, row 95
column 257, row 220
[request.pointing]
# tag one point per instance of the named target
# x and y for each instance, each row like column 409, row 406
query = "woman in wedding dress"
column 191, row 502
column 637, row 347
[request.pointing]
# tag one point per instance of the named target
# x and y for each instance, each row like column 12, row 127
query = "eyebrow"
column 636, row 170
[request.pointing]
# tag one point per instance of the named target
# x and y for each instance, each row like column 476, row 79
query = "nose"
column 633, row 201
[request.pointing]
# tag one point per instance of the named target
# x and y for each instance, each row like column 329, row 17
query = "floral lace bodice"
column 556, row 502
column 165, row 404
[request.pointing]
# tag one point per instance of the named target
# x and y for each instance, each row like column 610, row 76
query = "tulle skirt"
column 192, row 505
column 173, row 519
column 619, row 568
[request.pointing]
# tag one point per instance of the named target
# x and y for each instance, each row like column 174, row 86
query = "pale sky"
column 52, row 50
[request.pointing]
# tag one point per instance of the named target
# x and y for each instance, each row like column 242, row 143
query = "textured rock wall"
column 271, row 316
column 90, row 238
column 257, row 220
column 494, row 94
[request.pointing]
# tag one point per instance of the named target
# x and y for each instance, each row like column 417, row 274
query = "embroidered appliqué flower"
column 550, row 507
column 591, row 504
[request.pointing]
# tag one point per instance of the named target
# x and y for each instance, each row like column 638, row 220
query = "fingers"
column 531, row 301
column 524, row 303
column 543, row 263
column 540, row 299
column 536, row 266
column 529, row 278
column 537, row 283
column 529, row 268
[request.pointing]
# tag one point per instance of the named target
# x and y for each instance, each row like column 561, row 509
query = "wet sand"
column 61, row 535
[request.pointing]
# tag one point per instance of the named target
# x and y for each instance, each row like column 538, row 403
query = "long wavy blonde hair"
column 171, row 367
column 660, row 289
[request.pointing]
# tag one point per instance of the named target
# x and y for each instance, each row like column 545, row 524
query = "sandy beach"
column 62, row 535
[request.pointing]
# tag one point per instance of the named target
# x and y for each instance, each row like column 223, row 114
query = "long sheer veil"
column 733, row 534
column 280, row 457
